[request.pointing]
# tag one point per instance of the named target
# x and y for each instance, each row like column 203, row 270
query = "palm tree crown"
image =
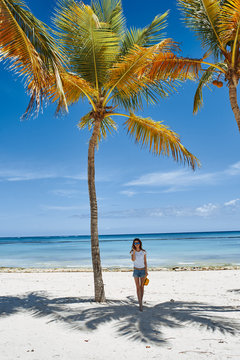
column 106, row 64
column 217, row 26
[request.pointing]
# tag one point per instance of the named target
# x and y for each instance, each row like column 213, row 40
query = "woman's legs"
column 140, row 289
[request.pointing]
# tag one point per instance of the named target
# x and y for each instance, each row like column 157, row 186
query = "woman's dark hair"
column 134, row 247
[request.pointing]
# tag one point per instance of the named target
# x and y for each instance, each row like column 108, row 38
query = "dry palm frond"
column 229, row 20
column 25, row 42
column 74, row 88
column 229, row 27
column 169, row 66
column 159, row 139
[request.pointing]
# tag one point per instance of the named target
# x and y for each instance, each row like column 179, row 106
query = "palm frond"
column 90, row 45
column 123, row 76
column 110, row 12
column 74, row 88
column 157, row 89
column 133, row 102
column 202, row 16
column 149, row 94
column 159, row 139
column 169, row 66
column 26, row 43
column 129, row 80
column 229, row 27
column 108, row 125
column 207, row 77
column 148, row 36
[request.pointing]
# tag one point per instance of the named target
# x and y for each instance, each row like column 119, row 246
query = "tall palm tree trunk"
column 96, row 260
column 233, row 101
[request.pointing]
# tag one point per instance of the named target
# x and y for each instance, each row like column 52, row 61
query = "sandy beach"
column 187, row 315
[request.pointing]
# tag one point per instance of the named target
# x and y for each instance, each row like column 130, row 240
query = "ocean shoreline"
column 116, row 269
column 178, row 251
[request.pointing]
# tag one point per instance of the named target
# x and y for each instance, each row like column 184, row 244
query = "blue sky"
column 43, row 161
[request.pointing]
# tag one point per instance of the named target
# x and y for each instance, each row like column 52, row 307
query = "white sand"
column 52, row 316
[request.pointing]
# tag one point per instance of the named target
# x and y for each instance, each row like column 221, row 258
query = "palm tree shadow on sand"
column 84, row 314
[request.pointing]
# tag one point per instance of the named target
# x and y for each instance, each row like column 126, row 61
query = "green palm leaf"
column 124, row 75
column 148, row 36
column 129, row 79
column 151, row 93
column 108, row 125
column 206, row 78
column 110, row 12
column 202, row 17
column 90, row 46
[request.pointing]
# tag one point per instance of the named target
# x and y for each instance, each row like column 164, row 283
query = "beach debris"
column 86, row 340
column 172, row 300
column 30, row 350
column 147, row 346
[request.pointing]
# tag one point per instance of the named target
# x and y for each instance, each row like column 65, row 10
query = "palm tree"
column 105, row 63
column 217, row 25
column 108, row 60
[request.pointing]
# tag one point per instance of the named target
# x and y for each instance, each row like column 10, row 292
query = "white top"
column 139, row 259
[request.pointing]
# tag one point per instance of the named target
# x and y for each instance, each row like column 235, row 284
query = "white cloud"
column 234, row 169
column 182, row 179
column 156, row 213
column 232, row 202
column 206, row 209
column 27, row 175
column 76, row 177
column 62, row 208
column 65, row 192
column 128, row 193
column 20, row 175
column 173, row 179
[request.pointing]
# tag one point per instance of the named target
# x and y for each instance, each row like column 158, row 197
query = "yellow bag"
column 146, row 281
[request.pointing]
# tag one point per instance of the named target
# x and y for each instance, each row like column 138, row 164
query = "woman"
column 139, row 257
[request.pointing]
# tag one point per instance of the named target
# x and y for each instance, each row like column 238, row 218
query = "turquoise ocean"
column 163, row 250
